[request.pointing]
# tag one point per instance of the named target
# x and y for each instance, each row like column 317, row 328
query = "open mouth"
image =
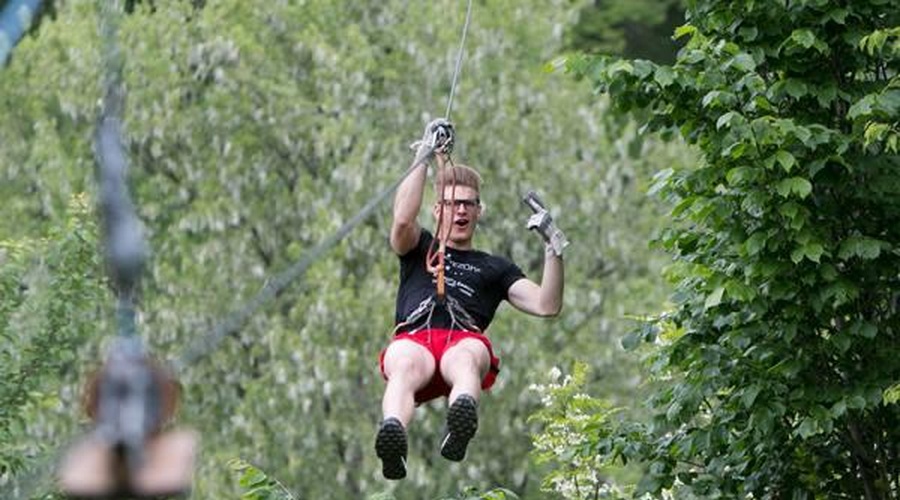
column 461, row 223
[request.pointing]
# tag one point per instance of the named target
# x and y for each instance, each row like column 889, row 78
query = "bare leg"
column 408, row 367
column 463, row 366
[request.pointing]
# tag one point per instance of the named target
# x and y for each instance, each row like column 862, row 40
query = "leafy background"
column 768, row 192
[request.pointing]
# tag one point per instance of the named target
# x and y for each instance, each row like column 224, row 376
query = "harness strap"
column 426, row 306
column 454, row 308
column 459, row 317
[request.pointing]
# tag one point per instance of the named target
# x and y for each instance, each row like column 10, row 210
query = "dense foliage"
column 50, row 289
column 772, row 365
column 631, row 28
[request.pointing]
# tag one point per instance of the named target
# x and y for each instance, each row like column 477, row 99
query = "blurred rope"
column 459, row 57
column 126, row 248
column 237, row 319
column 14, row 21
column 124, row 243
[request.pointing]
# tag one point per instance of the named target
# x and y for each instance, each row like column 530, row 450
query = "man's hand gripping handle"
column 438, row 138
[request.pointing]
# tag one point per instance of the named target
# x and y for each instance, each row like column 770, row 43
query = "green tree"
column 49, row 289
column 581, row 437
column 629, row 28
column 772, row 364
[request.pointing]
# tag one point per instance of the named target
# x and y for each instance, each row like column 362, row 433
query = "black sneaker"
column 462, row 422
column 391, row 447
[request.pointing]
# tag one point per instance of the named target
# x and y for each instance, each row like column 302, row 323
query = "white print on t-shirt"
column 462, row 287
column 462, row 266
column 459, row 269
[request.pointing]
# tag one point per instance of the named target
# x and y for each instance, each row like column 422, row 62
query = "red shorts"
column 437, row 341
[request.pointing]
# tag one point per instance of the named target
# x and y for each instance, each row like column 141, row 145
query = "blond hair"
column 457, row 175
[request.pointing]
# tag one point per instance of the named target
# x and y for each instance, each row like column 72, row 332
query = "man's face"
column 460, row 218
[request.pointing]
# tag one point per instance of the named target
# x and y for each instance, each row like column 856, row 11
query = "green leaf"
column 786, row 160
column 740, row 291
column 868, row 330
column 794, row 185
column 642, row 68
column 741, row 175
column 727, row 119
column 714, row 298
column 860, row 246
column 744, row 62
column 892, row 394
column 839, row 409
column 856, row 402
column 620, row 66
column 789, row 209
column 807, row 428
column 735, row 150
column 795, row 88
column 748, row 33
column 749, row 395
column 813, row 251
column 755, row 243
column 717, row 99
column 873, row 43
column 631, row 340
column 838, row 15
column 804, row 37
column 841, row 341
column 664, row 76
column 862, row 107
column 875, row 132
column 685, row 30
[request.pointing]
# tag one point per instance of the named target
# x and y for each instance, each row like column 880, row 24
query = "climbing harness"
column 425, row 309
column 131, row 397
column 466, row 321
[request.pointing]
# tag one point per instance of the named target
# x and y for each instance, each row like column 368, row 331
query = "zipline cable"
column 459, row 57
column 237, row 319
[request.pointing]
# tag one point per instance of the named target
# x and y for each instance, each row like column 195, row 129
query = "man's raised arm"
column 405, row 229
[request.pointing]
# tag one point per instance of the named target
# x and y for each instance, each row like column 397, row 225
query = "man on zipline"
column 447, row 297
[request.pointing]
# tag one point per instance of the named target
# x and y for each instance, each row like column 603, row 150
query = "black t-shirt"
column 478, row 280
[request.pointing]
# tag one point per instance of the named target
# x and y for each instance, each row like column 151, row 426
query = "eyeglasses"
column 467, row 204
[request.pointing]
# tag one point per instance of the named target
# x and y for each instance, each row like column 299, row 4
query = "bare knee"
column 409, row 361
column 468, row 357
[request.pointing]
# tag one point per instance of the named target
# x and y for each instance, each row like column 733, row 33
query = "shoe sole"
column 462, row 422
column 391, row 448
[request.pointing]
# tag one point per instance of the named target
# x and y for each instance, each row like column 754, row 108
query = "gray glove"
column 542, row 222
column 437, row 138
